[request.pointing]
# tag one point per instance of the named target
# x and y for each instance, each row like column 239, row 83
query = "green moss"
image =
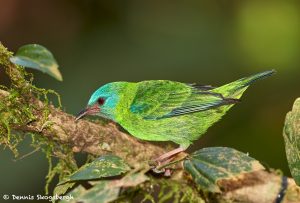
column 176, row 192
column 162, row 190
column 17, row 110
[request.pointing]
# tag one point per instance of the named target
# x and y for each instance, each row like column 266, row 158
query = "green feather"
column 162, row 110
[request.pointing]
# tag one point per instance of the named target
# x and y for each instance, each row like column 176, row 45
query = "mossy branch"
column 25, row 108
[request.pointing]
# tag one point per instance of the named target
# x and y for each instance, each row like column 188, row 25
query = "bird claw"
column 160, row 166
column 166, row 171
column 165, row 165
column 157, row 170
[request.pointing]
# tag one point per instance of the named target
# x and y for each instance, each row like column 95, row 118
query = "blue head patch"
column 107, row 98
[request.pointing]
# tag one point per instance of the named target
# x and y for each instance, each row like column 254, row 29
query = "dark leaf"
column 101, row 192
column 104, row 166
column 106, row 190
column 208, row 166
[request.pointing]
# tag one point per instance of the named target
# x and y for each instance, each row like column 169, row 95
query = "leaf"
column 209, row 166
column 104, row 166
column 105, row 190
column 61, row 189
column 131, row 180
column 102, row 192
column 37, row 57
column 291, row 134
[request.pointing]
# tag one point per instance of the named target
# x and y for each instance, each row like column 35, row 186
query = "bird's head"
column 103, row 101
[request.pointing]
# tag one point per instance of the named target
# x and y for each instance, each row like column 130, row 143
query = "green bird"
column 163, row 110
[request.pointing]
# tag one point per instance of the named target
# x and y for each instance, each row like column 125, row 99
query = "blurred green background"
column 206, row 42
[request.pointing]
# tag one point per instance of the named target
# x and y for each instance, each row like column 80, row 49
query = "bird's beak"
column 90, row 110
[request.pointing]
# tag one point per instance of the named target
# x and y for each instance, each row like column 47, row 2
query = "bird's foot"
column 168, row 155
column 162, row 166
column 166, row 171
column 165, row 164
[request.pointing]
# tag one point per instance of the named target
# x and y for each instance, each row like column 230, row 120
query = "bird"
column 164, row 110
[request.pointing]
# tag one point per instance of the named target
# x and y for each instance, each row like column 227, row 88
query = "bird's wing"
column 164, row 99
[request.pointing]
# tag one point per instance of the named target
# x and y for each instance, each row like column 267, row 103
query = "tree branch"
column 93, row 138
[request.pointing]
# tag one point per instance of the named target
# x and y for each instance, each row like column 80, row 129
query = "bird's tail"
column 236, row 89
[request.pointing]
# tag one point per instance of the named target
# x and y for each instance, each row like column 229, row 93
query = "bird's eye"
column 101, row 101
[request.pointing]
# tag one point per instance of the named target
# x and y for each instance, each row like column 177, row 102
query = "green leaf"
column 101, row 192
column 61, row 189
column 106, row 190
column 37, row 57
column 291, row 134
column 209, row 166
column 104, row 166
